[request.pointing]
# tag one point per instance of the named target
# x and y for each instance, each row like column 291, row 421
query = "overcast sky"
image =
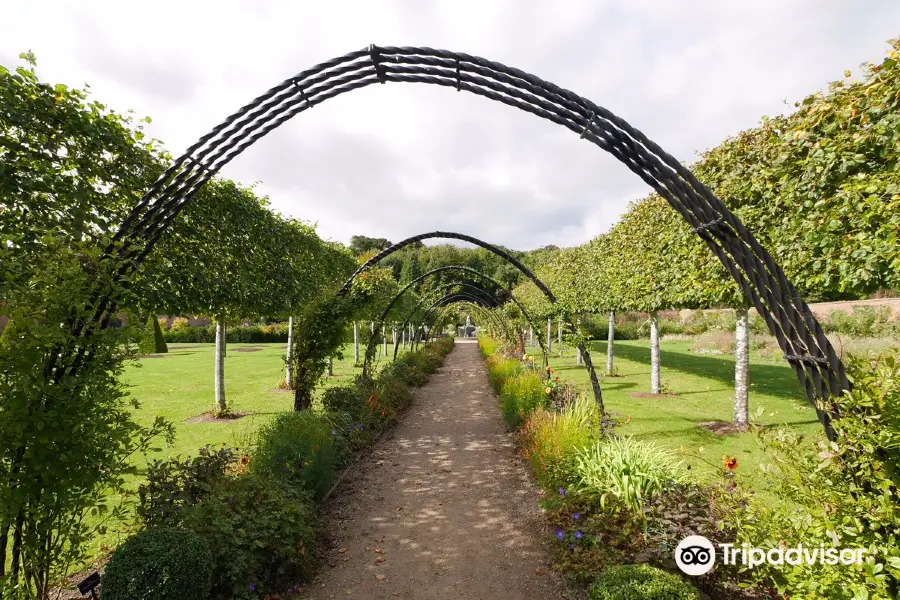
column 401, row 159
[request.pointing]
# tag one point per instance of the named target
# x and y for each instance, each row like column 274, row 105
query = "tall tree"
column 360, row 244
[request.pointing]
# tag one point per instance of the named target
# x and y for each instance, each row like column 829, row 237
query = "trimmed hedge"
column 152, row 341
column 160, row 563
column 641, row 582
column 253, row 334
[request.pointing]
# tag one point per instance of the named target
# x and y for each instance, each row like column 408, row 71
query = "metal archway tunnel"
column 761, row 280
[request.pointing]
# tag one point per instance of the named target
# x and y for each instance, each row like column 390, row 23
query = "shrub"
column 159, row 563
column 300, row 449
column 487, row 346
column 501, row 369
column 255, row 334
column 864, row 321
column 394, row 391
column 715, row 341
column 344, row 399
column 551, row 440
column 410, row 375
column 152, row 340
column 261, row 534
column 626, row 469
column 641, row 582
column 178, row 323
column 174, row 484
column 520, row 396
column 843, row 494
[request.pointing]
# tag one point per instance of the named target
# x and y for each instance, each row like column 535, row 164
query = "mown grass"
column 179, row 386
column 704, row 388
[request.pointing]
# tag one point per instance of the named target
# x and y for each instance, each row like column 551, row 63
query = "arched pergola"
column 455, row 269
column 761, row 280
column 585, row 355
column 471, row 292
column 457, row 297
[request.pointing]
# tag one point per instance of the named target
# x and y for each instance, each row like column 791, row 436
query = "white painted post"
column 610, row 337
column 549, row 334
column 219, row 378
column 288, row 368
column 742, row 368
column 654, row 352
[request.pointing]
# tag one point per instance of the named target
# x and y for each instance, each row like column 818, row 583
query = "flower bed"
column 616, row 500
column 255, row 512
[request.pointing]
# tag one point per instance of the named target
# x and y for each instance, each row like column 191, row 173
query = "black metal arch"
column 437, row 309
column 475, row 290
column 441, row 311
column 446, row 300
column 585, row 355
column 370, row 352
column 762, row 281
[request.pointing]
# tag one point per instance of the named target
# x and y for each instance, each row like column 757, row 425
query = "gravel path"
column 442, row 507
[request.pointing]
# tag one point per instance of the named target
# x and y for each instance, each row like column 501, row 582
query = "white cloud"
column 396, row 160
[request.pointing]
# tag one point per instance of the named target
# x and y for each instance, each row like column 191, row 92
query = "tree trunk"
column 610, row 337
column 394, row 335
column 520, row 343
column 288, row 367
column 384, row 340
column 654, row 352
column 355, row 343
column 330, row 370
column 221, row 406
column 559, row 336
column 302, row 399
column 531, row 337
column 595, row 384
column 578, row 359
column 741, row 368
column 549, row 334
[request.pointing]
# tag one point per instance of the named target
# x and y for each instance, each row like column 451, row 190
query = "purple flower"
column 576, row 516
column 562, row 492
column 252, row 587
column 559, row 534
column 577, row 535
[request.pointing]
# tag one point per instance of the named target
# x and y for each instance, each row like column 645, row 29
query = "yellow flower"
column 548, row 390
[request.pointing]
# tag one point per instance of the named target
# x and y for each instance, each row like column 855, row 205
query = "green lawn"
column 704, row 388
column 179, row 386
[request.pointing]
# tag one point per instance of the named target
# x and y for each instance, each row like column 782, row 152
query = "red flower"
column 730, row 463
column 245, row 459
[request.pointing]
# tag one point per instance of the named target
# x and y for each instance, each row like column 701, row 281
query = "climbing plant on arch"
column 760, row 279
column 451, row 269
column 595, row 382
column 448, row 290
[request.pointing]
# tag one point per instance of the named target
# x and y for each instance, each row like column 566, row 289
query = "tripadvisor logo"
column 695, row 555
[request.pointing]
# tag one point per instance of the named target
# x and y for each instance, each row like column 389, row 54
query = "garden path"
column 442, row 507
